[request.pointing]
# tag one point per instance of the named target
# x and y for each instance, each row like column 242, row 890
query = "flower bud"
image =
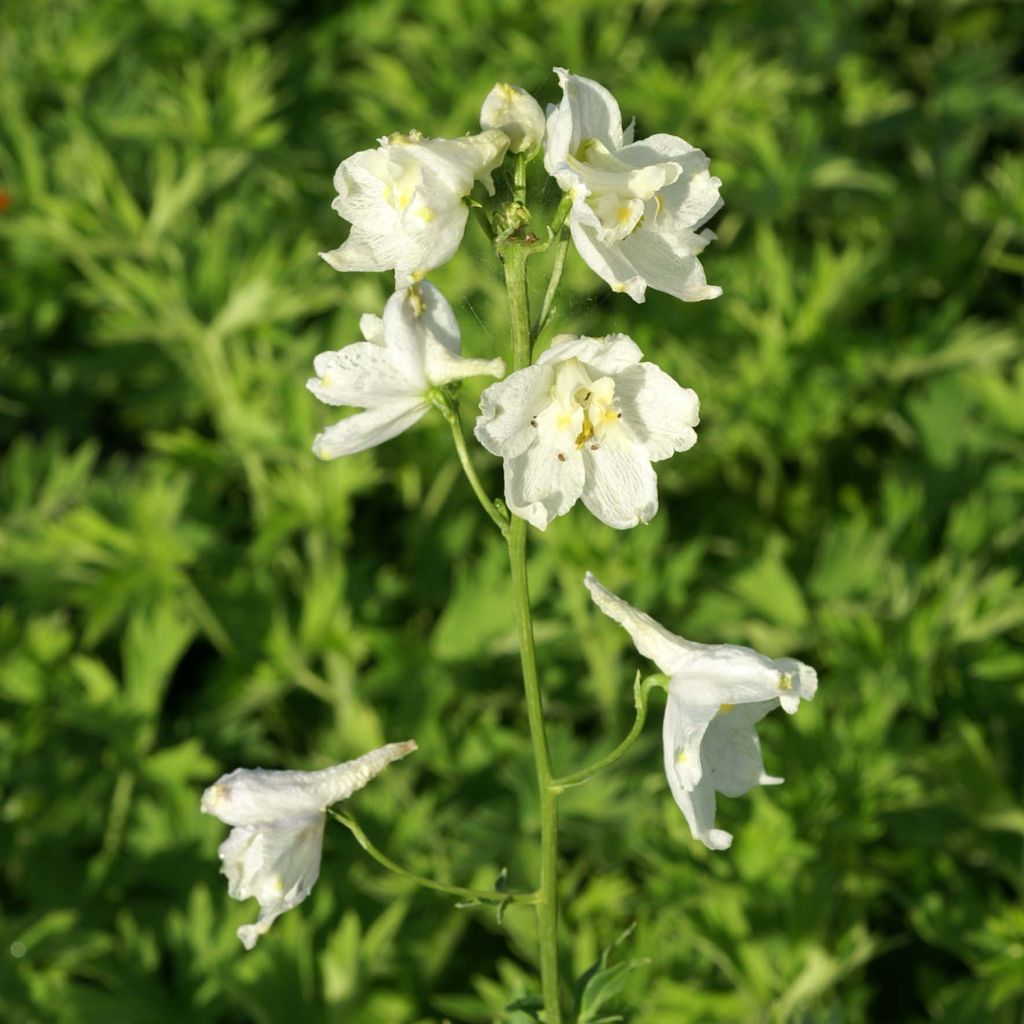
column 515, row 112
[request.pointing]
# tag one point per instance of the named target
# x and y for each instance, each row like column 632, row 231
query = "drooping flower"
column 273, row 850
column 404, row 201
column 512, row 110
column 413, row 347
column 586, row 420
column 717, row 693
column 637, row 206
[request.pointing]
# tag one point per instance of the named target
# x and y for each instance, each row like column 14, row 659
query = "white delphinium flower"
column 273, row 850
column 586, row 420
column 636, row 205
column 512, row 110
column 405, row 201
column 412, row 348
column 716, row 694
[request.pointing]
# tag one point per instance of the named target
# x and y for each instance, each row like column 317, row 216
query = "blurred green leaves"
column 184, row 589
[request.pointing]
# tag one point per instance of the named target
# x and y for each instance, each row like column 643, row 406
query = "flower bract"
column 412, row 348
column 586, row 421
column 273, row 850
column 637, row 207
column 717, row 693
column 404, row 201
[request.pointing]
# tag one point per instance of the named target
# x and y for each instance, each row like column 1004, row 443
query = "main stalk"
column 547, row 903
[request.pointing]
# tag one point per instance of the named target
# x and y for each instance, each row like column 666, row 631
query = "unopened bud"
column 515, row 112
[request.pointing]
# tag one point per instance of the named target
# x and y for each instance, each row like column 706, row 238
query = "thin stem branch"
column 479, row 895
column 641, row 694
column 450, row 411
column 554, row 281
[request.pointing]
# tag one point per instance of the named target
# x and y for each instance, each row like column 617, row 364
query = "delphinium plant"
column 573, row 418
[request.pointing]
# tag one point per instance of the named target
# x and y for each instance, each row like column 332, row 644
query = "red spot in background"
column 5, row 201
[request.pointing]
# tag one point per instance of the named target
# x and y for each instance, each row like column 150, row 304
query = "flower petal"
column 621, row 488
column 697, row 804
column 730, row 753
column 363, row 374
column 277, row 864
column 366, row 429
column 507, row 407
column 607, row 261
column 606, row 355
column 587, row 111
column 693, row 197
column 668, row 651
column 544, row 481
column 668, row 262
column 659, row 411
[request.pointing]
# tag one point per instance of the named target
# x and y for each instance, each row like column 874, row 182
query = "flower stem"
column 477, row 895
column 514, row 257
column 547, row 902
column 557, row 267
column 450, row 411
column 641, row 693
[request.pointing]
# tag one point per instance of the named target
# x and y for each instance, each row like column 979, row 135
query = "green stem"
column 519, row 195
column 553, row 282
column 641, row 693
column 450, row 411
column 514, row 257
column 477, row 895
column 547, row 903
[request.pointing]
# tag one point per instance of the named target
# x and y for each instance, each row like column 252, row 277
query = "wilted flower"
column 586, row 420
column 636, row 205
column 515, row 112
column 716, row 695
column 405, row 201
column 273, row 850
column 412, row 348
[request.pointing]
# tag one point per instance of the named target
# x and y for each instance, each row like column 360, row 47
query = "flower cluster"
column 589, row 417
column 586, row 419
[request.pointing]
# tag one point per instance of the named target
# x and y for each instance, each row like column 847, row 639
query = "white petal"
column 730, row 753
column 363, row 374
column 503, row 427
column 256, row 797
column 668, row 262
column 539, row 485
column 457, row 163
column 443, row 367
column 697, row 805
column 591, row 112
column 621, row 488
column 668, row 651
column 366, row 429
column 278, row 864
column 371, row 327
column 660, row 413
column 606, row 355
column 607, row 261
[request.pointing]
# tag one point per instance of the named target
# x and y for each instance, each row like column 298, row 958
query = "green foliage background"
column 185, row 589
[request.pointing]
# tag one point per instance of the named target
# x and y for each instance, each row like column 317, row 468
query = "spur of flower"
column 716, row 695
column 636, row 206
column 586, row 421
column 277, row 818
column 411, row 349
column 404, row 201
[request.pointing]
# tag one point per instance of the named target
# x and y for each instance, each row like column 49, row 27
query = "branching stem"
column 474, row 895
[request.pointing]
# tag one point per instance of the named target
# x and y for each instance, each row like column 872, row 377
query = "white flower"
column 405, row 201
column 716, row 695
column 515, row 112
column 273, row 850
column 412, row 348
column 636, row 205
column 586, row 420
